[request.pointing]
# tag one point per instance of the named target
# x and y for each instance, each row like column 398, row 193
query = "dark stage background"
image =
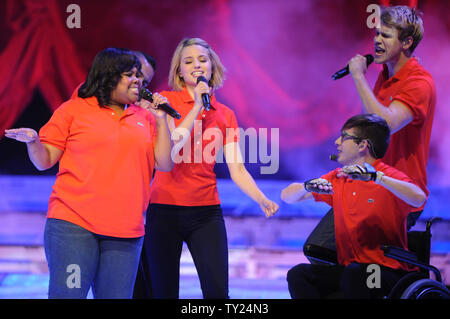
column 279, row 56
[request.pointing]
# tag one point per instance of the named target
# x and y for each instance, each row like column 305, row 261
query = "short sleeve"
column 416, row 94
column 232, row 134
column 56, row 130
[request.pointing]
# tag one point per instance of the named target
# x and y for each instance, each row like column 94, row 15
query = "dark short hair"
column 151, row 60
column 373, row 128
column 105, row 73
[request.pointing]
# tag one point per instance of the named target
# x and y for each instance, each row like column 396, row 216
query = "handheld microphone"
column 333, row 157
column 343, row 72
column 205, row 96
column 147, row 95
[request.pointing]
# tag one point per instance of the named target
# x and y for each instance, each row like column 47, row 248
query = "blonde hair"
column 217, row 69
column 407, row 21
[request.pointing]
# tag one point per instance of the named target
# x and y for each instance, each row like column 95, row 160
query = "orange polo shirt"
column 103, row 182
column 192, row 181
column 366, row 216
column 408, row 148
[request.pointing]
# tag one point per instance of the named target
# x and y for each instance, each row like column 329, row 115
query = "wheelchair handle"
column 431, row 221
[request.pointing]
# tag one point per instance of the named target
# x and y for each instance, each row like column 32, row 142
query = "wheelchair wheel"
column 406, row 281
column 426, row 289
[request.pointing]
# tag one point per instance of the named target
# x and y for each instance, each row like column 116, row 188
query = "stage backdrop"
column 279, row 56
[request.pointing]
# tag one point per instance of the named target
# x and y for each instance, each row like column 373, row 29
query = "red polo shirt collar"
column 93, row 101
column 403, row 73
column 186, row 97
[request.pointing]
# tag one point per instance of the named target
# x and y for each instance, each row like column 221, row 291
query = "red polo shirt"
column 192, row 181
column 366, row 216
column 103, row 183
column 408, row 148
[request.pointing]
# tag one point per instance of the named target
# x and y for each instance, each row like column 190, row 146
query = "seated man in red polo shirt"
column 371, row 201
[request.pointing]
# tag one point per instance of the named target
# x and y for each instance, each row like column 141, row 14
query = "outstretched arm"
column 242, row 178
column 43, row 156
column 407, row 192
column 297, row 192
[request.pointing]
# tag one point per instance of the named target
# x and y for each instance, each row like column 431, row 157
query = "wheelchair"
column 415, row 285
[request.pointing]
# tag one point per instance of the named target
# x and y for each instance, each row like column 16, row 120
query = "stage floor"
column 254, row 273
column 261, row 252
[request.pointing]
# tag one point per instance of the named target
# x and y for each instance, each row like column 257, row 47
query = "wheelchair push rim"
column 426, row 289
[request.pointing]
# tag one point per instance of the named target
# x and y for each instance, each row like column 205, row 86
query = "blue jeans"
column 79, row 259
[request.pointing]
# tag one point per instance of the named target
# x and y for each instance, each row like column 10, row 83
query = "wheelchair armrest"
column 399, row 253
column 320, row 253
column 410, row 258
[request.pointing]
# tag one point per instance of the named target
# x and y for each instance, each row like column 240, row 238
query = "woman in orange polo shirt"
column 107, row 149
column 184, row 203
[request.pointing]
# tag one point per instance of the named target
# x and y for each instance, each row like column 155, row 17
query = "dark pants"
column 143, row 285
column 307, row 281
column 323, row 234
column 203, row 230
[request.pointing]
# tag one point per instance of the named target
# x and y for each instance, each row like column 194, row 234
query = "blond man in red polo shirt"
column 184, row 203
column 371, row 201
column 404, row 95
column 107, row 149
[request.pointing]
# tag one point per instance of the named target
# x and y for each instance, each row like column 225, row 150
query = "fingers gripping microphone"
column 343, row 72
column 205, row 96
column 147, row 95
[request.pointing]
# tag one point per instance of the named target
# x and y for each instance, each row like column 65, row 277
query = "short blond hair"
column 217, row 69
column 406, row 20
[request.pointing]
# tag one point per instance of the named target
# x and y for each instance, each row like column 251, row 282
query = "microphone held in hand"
column 343, row 72
column 205, row 96
column 147, row 95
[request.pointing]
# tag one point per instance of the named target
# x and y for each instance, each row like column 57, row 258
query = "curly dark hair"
column 105, row 73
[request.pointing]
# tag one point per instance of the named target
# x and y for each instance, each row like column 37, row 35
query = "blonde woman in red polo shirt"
column 184, row 203
column 107, row 149
column 371, row 202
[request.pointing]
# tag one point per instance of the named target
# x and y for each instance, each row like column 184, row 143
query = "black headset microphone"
column 147, row 95
column 205, row 96
column 333, row 157
column 344, row 71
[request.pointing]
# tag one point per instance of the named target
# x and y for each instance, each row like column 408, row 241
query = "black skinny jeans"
column 203, row 230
